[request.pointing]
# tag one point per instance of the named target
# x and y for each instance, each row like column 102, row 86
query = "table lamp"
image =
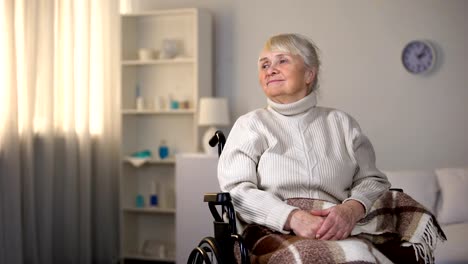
column 213, row 113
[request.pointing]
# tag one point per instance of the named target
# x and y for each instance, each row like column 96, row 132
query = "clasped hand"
column 334, row 223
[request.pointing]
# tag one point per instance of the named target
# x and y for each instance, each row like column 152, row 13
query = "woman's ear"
column 310, row 75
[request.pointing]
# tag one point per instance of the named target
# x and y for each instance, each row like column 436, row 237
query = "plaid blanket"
column 395, row 216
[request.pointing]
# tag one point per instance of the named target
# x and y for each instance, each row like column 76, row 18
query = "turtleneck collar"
column 294, row 108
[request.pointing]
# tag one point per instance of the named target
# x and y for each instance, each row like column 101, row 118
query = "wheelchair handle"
column 219, row 139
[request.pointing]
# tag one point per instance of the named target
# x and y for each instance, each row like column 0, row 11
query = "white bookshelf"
column 185, row 78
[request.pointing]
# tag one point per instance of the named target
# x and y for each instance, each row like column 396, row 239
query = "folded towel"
column 137, row 162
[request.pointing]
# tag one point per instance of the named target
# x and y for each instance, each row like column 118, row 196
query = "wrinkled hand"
column 339, row 220
column 304, row 224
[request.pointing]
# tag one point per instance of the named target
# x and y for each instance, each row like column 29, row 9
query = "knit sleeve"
column 368, row 182
column 237, row 174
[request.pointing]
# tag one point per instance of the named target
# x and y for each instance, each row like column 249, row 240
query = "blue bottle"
column 153, row 197
column 154, row 200
column 140, row 201
column 163, row 150
column 174, row 104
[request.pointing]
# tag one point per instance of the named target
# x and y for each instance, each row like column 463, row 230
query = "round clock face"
column 418, row 56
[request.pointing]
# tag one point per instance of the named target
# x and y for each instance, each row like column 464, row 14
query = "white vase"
column 170, row 48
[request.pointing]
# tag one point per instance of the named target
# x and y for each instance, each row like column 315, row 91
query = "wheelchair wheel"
column 207, row 252
column 199, row 256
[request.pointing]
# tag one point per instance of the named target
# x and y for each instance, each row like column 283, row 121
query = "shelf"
column 158, row 61
column 158, row 112
column 187, row 77
column 171, row 12
column 150, row 210
column 147, row 258
column 153, row 161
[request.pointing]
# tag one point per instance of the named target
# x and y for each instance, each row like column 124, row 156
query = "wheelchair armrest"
column 224, row 200
column 218, row 198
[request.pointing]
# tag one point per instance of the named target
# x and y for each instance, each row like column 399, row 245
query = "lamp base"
column 209, row 150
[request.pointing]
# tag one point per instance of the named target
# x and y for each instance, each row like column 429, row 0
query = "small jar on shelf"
column 154, row 197
column 163, row 150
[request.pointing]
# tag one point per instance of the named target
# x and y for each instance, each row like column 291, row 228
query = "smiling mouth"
column 274, row 81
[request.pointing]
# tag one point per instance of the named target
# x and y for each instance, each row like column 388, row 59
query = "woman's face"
column 283, row 76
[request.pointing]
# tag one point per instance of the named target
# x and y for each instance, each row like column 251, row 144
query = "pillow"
column 454, row 195
column 421, row 185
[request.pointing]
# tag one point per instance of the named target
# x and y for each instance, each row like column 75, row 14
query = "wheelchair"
column 220, row 248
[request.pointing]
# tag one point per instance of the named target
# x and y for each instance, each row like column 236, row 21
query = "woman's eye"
column 264, row 66
column 283, row 61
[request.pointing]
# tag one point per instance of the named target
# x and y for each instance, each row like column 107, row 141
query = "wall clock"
column 418, row 56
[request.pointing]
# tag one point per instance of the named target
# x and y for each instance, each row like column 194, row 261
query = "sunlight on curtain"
column 5, row 69
column 76, row 94
column 64, row 84
column 21, row 66
column 79, row 55
column 97, row 76
column 43, row 90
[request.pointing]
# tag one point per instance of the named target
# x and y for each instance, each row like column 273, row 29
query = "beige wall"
column 413, row 121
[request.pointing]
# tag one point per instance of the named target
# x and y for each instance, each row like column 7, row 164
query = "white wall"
column 413, row 121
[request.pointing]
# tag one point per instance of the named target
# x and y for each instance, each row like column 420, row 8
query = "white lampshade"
column 213, row 112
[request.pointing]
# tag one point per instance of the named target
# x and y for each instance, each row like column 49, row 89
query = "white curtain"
column 59, row 136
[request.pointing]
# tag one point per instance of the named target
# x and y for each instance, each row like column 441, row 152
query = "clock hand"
column 420, row 55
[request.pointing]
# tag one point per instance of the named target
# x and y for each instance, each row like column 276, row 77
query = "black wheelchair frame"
column 220, row 248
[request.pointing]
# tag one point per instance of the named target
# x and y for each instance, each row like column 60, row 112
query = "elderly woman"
column 293, row 148
column 296, row 149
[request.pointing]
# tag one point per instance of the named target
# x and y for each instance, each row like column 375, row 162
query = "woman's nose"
column 272, row 70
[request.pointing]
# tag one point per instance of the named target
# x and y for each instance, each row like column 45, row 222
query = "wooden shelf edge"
column 158, row 112
column 145, row 257
column 160, row 12
column 149, row 210
column 152, row 161
column 137, row 62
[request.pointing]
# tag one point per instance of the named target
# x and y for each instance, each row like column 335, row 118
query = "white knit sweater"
column 296, row 150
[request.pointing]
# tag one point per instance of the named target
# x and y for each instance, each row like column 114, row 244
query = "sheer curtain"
column 59, row 131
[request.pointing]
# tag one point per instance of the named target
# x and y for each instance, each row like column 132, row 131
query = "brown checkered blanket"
column 394, row 215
